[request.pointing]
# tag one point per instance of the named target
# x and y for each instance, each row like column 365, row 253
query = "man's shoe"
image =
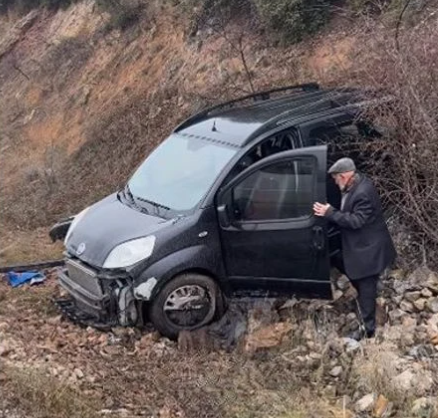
column 360, row 334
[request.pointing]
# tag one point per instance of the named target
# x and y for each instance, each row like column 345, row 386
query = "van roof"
column 236, row 123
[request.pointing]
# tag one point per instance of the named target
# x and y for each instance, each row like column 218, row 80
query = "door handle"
column 318, row 238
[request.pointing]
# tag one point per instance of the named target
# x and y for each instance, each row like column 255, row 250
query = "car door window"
column 279, row 191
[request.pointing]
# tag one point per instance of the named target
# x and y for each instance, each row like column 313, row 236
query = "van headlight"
column 130, row 252
column 75, row 221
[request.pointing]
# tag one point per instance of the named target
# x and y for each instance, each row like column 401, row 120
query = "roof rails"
column 263, row 95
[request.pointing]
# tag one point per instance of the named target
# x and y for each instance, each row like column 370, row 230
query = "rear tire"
column 187, row 302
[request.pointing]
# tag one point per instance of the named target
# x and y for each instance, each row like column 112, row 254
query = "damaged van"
column 221, row 208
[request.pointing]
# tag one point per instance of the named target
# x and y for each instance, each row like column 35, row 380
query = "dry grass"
column 21, row 247
column 37, row 395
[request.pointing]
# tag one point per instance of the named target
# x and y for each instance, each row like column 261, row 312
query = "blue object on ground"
column 18, row 279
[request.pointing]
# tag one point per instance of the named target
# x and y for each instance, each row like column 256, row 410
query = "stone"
column 336, row 371
column 423, row 407
column 426, row 293
column 382, row 408
column 396, row 315
column 79, row 373
column 397, row 275
column 409, row 322
column 432, row 305
column 351, row 345
column 343, row 283
column 268, row 336
column 420, row 304
column 411, row 382
column 337, row 294
column 406, row 306
column 366, row 403
column 432, row 325
column 412, row 296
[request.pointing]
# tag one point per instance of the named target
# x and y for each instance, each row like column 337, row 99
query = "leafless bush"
column 409, row 76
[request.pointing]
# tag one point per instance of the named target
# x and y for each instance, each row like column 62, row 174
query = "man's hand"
column 320, row 210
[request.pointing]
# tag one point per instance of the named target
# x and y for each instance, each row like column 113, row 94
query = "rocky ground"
column 276, row 358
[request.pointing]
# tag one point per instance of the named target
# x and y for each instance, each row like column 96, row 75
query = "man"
column 367, row 247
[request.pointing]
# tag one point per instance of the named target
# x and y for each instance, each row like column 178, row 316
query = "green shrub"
column 293, row 20
column 123, row 13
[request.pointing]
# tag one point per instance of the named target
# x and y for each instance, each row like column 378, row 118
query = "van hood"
column 107, row 224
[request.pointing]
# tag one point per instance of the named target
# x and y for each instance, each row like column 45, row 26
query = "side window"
column 349, row 138
column 282, row 190
column 282, row 141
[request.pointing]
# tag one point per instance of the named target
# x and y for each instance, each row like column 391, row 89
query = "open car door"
column 271, row 240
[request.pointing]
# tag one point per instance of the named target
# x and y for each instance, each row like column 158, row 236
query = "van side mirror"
column 224, row 219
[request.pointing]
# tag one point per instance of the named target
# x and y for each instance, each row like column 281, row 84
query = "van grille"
column 84, row 277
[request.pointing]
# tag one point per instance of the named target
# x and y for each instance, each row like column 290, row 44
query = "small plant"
column 123, row 13
column 293, row 20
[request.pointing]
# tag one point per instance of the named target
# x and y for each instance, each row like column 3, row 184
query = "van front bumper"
column 105, row 299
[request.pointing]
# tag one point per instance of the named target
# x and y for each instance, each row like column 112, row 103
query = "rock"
column 411, row 382
column 79, row 373
column 426, row 293
column 409, row 322
column 343, row 283
column 336, row 371
column 397, row 275
column 382, row 408
column 366, row 403
column 433, row 287
column 337, row 294
column 268, row 336
column 406, row 306
column 432, row 305
column 423, row 407
column 412, row 296
column 396, row 315
column 420, row 304
column 432, row 326
column 351, row 345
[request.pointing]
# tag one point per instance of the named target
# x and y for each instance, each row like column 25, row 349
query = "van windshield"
column 179, row 172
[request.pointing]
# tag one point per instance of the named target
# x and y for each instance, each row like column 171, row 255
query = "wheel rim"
column 188, row 306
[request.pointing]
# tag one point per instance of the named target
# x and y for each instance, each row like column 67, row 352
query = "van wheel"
column 187, row 302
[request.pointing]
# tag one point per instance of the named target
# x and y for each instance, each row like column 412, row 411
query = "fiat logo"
column 81, row 248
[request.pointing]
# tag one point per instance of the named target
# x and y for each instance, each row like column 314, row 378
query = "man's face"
column 342, row 179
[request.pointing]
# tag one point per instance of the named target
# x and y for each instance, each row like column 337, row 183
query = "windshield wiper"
column 155, row 204
column 127, row 192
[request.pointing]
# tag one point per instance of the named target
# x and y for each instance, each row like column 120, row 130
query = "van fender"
column 155, row 276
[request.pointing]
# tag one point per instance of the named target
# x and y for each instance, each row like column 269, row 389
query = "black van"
column 223, row 207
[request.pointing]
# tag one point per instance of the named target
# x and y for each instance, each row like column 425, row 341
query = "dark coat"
column 367, row 247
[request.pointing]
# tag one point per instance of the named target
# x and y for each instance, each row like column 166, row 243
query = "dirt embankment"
column 80, row 107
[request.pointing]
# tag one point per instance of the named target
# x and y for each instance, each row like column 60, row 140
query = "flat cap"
column 343, row 165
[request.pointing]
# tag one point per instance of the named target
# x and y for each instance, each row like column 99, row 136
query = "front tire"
column 187, row 302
